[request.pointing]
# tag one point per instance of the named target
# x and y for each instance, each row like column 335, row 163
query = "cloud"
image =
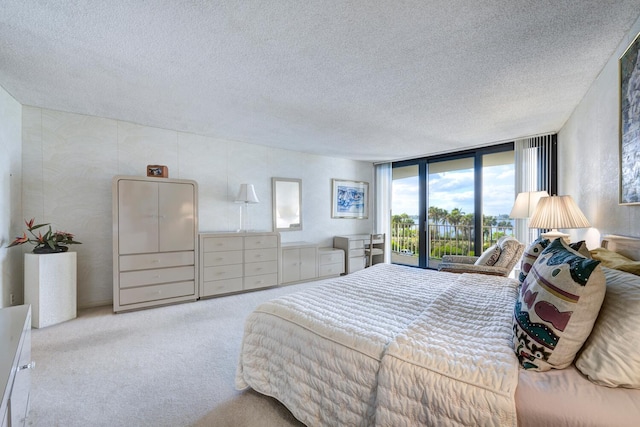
column 455, row 189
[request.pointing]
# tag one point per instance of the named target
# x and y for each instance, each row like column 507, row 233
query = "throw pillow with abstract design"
column 530, row 255
column 558, row 304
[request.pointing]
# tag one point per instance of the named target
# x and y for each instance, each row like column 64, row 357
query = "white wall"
column 69, row 161
column 588, row 150
column 10, row 184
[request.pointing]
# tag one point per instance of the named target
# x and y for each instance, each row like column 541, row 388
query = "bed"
column 394, row 345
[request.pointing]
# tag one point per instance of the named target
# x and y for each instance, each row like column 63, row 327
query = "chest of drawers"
column 330, row 262
column 234, row 262
column 353, row 246
column 15, row 364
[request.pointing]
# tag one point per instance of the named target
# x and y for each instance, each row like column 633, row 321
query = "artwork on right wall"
column 630, row 124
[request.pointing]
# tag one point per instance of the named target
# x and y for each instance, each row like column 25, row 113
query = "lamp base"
column 245, row 221
column 554, row 234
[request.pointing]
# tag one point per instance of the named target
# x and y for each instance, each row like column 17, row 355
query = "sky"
column 451, row 190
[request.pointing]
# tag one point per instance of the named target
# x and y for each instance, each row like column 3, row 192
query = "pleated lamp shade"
column 558, row 212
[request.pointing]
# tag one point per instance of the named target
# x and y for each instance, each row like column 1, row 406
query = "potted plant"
column 50, row 242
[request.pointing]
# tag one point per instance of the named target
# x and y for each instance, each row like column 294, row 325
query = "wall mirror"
column 287, row 204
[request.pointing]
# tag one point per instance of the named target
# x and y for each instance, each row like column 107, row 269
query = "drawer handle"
column 155, row 261
column 27, row 366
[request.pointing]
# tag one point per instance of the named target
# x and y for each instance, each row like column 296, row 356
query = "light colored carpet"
column 166, row 366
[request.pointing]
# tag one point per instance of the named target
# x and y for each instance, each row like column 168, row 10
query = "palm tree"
column 467, row 222
column 488, row 221
column 454, row 218
column 437, row 215
column 403, row 227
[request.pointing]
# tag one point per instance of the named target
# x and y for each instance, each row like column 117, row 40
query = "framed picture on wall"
column 350, row 199
column 630, row 124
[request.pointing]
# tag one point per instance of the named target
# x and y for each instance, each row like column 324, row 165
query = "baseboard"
column 95, row 304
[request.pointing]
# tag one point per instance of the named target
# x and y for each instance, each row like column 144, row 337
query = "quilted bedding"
column 358, row 349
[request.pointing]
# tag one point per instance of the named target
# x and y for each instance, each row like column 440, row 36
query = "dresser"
column 15, row 364
column 235, row 262
column 353, row 246
column 299, row 262
column 155, row 225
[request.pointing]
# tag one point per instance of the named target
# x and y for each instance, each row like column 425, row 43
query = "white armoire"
column 155, row 231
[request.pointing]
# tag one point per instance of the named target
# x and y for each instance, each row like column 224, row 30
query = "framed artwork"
column 350, row 199
column 630, row 125
column 158, row 171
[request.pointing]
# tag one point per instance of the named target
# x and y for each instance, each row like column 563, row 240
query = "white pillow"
column 490, row 256
column 611, row 354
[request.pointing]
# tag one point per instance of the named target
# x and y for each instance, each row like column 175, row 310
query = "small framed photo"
column 350, row 199
column 158, row 171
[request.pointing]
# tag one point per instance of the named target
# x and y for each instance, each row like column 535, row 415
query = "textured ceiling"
column 367, row 80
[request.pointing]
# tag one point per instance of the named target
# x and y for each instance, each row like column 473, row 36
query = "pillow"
column 615, row 260
column 611, row 354
column 489, row 257
column 509, row 246
column 581, row 248
column 530, row 255
column 558, row 304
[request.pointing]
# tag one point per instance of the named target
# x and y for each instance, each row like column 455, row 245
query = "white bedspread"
column 322, row 351
column 454, row 365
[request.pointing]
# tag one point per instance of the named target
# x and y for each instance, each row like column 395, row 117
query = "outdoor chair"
column 497, row 260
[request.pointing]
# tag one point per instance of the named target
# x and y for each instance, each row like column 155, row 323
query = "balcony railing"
column 444, row 239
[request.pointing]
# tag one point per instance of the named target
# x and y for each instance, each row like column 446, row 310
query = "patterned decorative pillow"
column 509, row 246
column 581, row 248
column 558, row 304
column 530, row 255
column 489, row 257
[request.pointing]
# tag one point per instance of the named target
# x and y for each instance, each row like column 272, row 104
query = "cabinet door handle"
column 27, row 366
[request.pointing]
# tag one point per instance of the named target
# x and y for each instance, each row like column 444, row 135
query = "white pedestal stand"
column 50, row 287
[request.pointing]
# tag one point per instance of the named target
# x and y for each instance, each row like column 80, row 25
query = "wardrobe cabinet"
column 155, row 224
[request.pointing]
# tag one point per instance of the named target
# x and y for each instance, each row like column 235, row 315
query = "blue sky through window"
column 454, row 189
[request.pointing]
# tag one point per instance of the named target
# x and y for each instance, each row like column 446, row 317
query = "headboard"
column 627, row 246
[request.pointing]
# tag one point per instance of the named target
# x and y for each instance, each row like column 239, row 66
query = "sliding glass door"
column 451, row 201
column 498, row 192
column 405, row 215
column 455, row 204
